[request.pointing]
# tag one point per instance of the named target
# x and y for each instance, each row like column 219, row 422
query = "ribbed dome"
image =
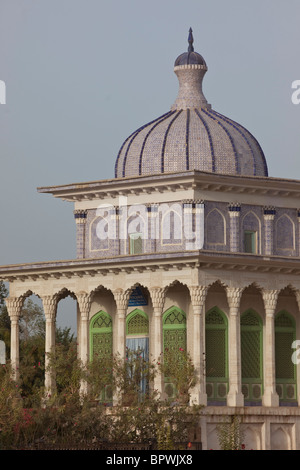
column 191, row 136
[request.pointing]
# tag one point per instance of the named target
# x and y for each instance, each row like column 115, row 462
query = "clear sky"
column 81, row 75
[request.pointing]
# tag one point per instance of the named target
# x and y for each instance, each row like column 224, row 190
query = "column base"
column 235, row 399
column 270, row 398
column 198, row 398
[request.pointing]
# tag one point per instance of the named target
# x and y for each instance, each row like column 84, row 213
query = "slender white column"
column 14, row 307
column 270, row 397
column 84, row 306
column 235, row 396
column 198, row 294
column 158, row 300
column 50, row 309
column 121, row 298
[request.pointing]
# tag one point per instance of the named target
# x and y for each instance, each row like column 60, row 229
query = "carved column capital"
column 14, row 307
column 297, row 295
column 121, row 298
column 158, row 297
column 234, row 296
column 198, row 295
column 84, row 303
column 270, row 299
column 49, row 306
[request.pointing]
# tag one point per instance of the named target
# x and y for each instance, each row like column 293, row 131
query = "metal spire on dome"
column 191, row 40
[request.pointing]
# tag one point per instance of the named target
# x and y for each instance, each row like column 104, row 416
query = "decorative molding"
column 84, row 303
column 158, row 298
column 234, row 296
column 14, row 307
column 198, row 295
column 270, row 299
column 50, row 306
column 80, row 216
column 121, row 298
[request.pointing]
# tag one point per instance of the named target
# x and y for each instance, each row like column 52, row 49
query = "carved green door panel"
column 216, row 355
column 174, row 341
column 251, row 357
column 101, row 347
column 285, row 369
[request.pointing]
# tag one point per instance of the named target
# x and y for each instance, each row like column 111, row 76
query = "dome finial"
column 191, row 40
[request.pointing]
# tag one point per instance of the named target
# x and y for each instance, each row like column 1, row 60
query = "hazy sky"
column 81, row 75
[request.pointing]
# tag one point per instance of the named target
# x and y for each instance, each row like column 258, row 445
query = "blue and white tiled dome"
column 191, row 136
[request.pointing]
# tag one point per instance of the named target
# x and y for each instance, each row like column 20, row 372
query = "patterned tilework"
column 234, row 216
column 199, row 139
column 286, row 233
column 269, row 215
column 80, row 219
column 191, row 136
column 277, row 233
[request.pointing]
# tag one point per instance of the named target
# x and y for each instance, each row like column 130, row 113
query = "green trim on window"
column 135, row 243
column 101, row 340
column 252, row 355
column 286, row 372
column 216, row 354
column 101, row 344
column 250, row 241
column 174, row 338
column 137, row 323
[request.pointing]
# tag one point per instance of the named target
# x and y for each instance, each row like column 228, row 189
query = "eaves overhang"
column 202, row 260
column 198, row 180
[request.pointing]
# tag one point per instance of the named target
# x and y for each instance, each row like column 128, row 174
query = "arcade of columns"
column 197, row 325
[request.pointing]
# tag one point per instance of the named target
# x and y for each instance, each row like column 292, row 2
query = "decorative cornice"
column 172, row 182
column 231, row 262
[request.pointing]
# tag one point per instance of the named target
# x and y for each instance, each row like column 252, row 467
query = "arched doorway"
column 252, row 357
column 285, row 369
column 216, row 356
column 137, row 342
column 101, row 347
column 174, row 341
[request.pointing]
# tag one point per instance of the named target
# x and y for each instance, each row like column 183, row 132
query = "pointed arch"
column 215, row 228
column 138, row 295
column 285, row 235
column 101, row 338
column 251, row 230
column 137, row 323
column 170, row 224
column 99, row 229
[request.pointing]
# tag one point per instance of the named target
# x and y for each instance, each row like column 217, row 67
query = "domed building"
column 191, row 246
column 191, row 136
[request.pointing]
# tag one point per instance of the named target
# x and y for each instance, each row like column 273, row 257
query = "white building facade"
column 192, row 245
